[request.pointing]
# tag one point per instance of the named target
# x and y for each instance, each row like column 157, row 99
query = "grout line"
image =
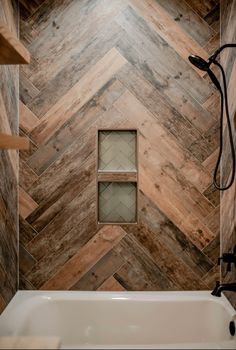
column 30, row 16
column 198, row 15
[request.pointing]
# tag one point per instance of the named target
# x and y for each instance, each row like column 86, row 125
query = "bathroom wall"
column 118, row 64
column 9, row 95
column 228, row 198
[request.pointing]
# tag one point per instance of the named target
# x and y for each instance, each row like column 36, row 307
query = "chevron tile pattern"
column 99, row 65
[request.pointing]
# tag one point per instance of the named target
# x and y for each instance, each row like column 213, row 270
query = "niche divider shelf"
column 12, row 51
column 117, row 176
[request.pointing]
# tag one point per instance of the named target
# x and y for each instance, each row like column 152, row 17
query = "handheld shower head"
column 199, row 62
column 204, row 65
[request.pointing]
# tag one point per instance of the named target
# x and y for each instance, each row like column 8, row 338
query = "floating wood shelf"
column 13, row 142
column 11, row 49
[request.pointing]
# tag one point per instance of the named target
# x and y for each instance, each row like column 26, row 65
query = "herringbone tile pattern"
column 118, row 64
column 117, row 150
column 117, row 202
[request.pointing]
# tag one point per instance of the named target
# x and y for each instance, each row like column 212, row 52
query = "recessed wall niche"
column 117, row 150
column 117, row 175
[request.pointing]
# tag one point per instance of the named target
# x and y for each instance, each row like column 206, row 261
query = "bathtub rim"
column 32, row 298
column 29, row 295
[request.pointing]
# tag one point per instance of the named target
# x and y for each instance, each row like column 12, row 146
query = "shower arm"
column 213, row 57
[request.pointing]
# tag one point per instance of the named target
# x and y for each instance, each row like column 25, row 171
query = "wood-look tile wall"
column 228, row 198
column 118, row 64
column 9, row 97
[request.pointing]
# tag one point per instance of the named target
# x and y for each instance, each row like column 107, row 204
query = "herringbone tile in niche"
column 117, row 202
column 117, row 150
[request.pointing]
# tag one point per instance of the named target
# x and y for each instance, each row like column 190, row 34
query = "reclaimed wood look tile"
column 78, row 96
column 169, row 30
column 79, row 124
column 28, row 120
column 111, row 284
column 93, row 251
column 212, row 221
column 118, row 64
column 172, row 237
column 9, row 97
column 7, row 289
column 213, row 44
column 24, row 284
column 9, row 15
column 212, row 250
column 2, row 304
column 228, row 221
column 75, row 68
column 71, row 243
column 28, row 176
column 133, row 278
column 213, row 17
column 8, row 256
column 76, row 16
column 50, row 208
column 182, row 121
column 6, row 128
column 27, row 90
column 212, row 194
column 163, row 58
column 202, row 7
column 100, row 273
column 59, row 226
column 147, row 272
column 212, row 276
column 209, row 163
column 27, row 232
column 26, row 204
column 28, row 8
column 26, row 154
column 177, row 271
column 168, row 148
column 27, row 260
column 188, row 20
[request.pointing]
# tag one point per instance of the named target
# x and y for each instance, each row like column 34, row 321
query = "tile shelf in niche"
column 117, row 176
column 117, row 171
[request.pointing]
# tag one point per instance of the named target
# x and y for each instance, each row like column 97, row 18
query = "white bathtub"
column 135, row 320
